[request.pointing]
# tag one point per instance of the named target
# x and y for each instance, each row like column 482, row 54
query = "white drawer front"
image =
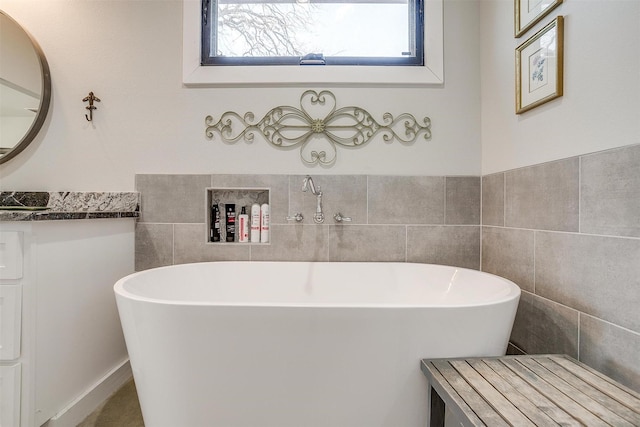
column 10, row 395
column 10, row 315
column 10, row 255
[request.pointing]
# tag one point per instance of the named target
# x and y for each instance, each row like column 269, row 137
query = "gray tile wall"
column 394, row 218
column 568, row 232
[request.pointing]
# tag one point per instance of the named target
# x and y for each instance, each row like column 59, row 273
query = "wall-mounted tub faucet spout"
column 307, row 184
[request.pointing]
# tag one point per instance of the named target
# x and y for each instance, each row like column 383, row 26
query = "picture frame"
column 530, row 12
column 539, row 67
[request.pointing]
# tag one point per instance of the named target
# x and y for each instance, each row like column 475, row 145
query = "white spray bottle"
column 255, row 223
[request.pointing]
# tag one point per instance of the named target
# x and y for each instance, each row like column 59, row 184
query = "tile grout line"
column 444, row 198
column 173, row 244
column 367, row 201
column 406, row 243
column 288, row 195
column 579, row 327
column 607, row 322
column 535, row 234
column 579, row 194
column 328, row 244
column 481, row 222
column 504, row 199
column 541, row 230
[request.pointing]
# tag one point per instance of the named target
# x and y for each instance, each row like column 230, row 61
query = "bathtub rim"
column 514, row 291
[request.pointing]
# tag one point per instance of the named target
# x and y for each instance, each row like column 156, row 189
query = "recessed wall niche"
column 240, row 198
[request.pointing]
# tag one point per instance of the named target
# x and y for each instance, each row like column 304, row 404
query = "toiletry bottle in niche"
column 264, row 223
column 255, row 223
column 243, row 226
column 223, row 222
column 230, row 209
column 215, row 222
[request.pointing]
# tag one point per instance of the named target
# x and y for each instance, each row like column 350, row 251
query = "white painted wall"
column 600, row 108
column 129, row 54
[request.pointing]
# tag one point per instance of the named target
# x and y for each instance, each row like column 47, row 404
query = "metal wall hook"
column 91, row 97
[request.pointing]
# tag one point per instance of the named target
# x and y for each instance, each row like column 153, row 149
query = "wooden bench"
column 528, row 390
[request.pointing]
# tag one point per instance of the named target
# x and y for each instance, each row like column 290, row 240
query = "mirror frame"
column 45, row 99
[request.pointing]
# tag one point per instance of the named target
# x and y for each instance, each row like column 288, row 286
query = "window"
column 312, row 32
column 431, row 72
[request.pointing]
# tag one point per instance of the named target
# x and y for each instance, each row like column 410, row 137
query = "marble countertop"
column 48, row 206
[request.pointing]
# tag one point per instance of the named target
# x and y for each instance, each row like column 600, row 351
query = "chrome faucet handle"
column 339, row 218
column 297, row 217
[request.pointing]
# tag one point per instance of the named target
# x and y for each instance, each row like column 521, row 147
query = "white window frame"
column 432, row 73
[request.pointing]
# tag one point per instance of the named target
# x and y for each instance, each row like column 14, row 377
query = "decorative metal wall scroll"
column 289, row 127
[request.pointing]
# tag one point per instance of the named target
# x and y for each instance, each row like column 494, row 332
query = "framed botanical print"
column 539, row 62
column 530, row 12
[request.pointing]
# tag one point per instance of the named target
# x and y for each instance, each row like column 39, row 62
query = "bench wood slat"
column 628, row 397
column 591, row 390
column 531, row 411
column 555, row 395
column 539, row 400
column 441, row 385
column 473, row 399
column 509, row 412
column 577, row 394
column 527, row 391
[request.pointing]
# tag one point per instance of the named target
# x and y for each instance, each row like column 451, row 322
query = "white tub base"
column 198, row 364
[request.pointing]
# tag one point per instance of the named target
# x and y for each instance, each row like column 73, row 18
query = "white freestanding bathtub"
column 298, row 344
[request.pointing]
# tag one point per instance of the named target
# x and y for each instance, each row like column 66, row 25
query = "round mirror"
column 25, row 88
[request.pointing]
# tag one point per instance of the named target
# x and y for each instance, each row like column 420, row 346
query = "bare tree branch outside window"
column 310, row 32
column 263, row 29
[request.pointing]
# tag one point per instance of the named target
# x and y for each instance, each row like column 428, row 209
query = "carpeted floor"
column 120, row 410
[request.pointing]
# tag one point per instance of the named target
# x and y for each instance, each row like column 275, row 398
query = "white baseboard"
column 85, row 404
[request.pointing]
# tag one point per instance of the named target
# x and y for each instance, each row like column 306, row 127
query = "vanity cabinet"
column 10, row 388
column 10, row 321
column 11, row 355
column 61, row 339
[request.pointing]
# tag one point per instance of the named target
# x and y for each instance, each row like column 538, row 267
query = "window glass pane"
column 360, row 28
